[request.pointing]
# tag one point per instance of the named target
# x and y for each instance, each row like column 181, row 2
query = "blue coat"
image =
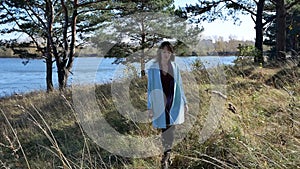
column 156, row 97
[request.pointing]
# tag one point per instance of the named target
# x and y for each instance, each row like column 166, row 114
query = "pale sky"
column 245, row 31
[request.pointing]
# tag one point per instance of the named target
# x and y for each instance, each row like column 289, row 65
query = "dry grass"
column 41, row 130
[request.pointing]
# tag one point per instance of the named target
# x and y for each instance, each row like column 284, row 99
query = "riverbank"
column 258, row 129
column 97, row 55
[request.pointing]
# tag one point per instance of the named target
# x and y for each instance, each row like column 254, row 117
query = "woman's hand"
column 186, row 108
column 150, row 113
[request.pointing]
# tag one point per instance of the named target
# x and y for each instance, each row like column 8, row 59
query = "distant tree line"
column 220, row 47
column 204, row 47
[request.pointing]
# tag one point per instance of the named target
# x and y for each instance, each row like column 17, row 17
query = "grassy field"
column 41, row 130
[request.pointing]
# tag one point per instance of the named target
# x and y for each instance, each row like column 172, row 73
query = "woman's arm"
column 181, row 85
column 182, row 90
column 149, row 89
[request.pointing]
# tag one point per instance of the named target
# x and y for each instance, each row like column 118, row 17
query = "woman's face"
column 165, row 55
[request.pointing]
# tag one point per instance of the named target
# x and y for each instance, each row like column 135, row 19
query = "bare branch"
column 253, row 19
column 220, row 10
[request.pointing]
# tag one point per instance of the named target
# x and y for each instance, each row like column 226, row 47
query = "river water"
column 18, row 78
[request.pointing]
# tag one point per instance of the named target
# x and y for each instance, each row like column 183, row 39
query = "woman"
column 166, row 99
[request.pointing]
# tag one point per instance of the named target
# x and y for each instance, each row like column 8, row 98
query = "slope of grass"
column 41, row 130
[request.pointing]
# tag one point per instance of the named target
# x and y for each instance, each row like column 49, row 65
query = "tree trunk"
column 143, row 72
column 258, row 58
column 65, row 64
column 49, row 62
column 293, row 42
column 61, row 73
column 297, row 49
column 280, row 31
column 49, row 81
column 52, row 47
column 69, row 65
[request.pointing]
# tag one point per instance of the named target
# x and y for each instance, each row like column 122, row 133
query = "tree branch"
column 90, row 3
column 49, row 7
column 273, row 2
column 19, row 25
column 103, row 9
column 253, row 19
column 37, row 16
column 65, row 28
column 243, row 7
column 31, row 17
column 289, row 6
column 270, row 19
column 73, row 38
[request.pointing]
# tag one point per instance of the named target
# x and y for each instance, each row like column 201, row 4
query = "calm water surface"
column 17, row 78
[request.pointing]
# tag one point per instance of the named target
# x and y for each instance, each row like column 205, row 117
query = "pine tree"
column 53, row 27
column 292, row 32
column 140, row 26
column 224, row 9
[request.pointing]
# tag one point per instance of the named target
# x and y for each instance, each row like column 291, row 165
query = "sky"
column 245, row 31
column 225, row 29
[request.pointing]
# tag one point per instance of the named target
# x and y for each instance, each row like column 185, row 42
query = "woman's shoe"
column 166, row 160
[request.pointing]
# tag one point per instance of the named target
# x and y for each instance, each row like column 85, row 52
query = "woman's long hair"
column 170, row 48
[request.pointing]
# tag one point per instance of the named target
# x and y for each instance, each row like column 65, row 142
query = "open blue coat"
column 156, row 97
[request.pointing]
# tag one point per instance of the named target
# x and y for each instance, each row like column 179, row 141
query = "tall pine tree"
column 221, row 9
column 140, row 25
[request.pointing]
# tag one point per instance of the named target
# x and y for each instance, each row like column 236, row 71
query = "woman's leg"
column 167, row 142
column 168, row 137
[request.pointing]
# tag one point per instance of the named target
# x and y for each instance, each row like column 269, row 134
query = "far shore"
column 85, row 56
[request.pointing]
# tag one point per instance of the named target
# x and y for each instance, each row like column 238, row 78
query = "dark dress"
column 167, row 81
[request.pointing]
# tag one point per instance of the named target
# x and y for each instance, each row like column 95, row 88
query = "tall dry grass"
column 42, row 130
